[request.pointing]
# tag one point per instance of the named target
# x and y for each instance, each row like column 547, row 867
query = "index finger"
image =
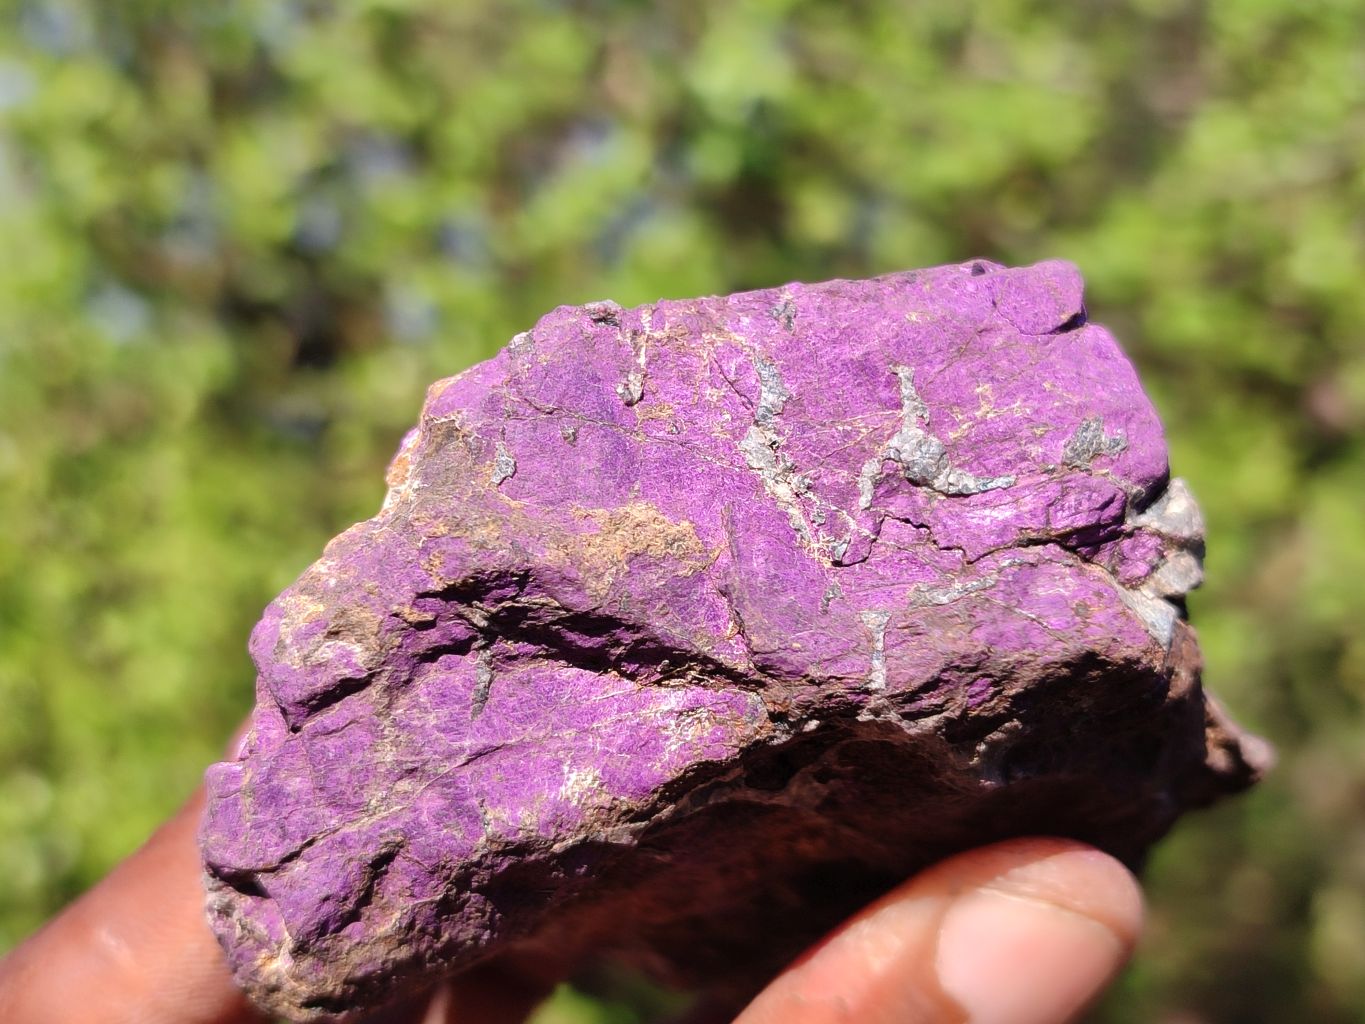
column 136, row 948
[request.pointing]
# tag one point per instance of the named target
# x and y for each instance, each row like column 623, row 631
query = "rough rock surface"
column 685, row 629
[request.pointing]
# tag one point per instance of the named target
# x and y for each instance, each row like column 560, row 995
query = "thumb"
column 1022, row 932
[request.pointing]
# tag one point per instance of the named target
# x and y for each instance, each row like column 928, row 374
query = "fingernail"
column 1030, row 947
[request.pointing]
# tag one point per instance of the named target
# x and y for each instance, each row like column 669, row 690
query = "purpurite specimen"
column 686, row 629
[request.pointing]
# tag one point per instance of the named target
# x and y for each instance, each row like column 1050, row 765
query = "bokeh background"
column 238, row 240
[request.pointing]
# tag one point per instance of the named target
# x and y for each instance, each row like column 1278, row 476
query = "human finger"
column 135, row 949
column 1022, row 932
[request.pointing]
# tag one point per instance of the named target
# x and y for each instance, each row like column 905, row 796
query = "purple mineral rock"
column 686, row 629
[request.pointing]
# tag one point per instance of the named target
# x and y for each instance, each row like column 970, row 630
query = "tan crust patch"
column 636, row 528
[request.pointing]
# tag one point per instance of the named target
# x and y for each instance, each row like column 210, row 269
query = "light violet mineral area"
column 686, row 629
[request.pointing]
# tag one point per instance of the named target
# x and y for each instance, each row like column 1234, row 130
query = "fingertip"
column 1061, row 872
column 1021, row 932
column 1037, row 939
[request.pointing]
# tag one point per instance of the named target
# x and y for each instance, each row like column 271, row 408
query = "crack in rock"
column 761, row 447
column 875, row 621
column 785, row 313
column 772, row 393
column 1090, row 441
column 923, row 458
column 483, row 684
column 762, row 451
column 504, row 465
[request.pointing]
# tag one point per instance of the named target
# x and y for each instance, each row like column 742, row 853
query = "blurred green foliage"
column 237, row 240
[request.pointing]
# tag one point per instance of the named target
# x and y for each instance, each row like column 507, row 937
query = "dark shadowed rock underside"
column 686, row 629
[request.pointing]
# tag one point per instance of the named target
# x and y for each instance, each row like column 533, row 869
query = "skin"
column 1023, row 932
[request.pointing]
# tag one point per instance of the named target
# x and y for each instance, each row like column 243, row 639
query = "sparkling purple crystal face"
column 685, row 628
